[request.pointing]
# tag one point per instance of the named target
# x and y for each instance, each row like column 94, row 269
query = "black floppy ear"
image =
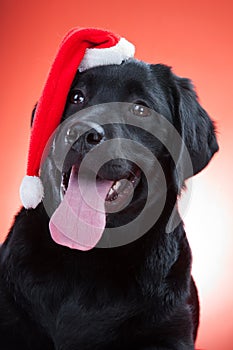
column 197, row 129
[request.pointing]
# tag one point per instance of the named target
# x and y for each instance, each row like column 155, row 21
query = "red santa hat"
column 80, row 49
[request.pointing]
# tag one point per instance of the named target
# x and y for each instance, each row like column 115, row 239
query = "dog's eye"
column 76, row 97
column 140, row 110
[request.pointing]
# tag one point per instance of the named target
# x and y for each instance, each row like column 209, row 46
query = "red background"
column 195, row 38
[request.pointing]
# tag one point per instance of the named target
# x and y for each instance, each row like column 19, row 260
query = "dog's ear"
column 196, row 127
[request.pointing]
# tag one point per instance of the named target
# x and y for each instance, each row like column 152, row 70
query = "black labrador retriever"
column 138, row 295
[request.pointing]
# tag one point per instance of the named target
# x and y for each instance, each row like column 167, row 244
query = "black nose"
column 88, row 139
column 94, row 136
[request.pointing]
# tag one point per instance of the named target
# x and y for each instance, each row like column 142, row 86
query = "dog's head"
column 138, row 129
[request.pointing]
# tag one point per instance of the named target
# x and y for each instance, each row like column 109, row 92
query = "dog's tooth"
column 117, row 185
column 62, row 191
column 111, row 191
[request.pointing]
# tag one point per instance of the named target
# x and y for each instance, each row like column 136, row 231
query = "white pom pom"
column 31, row 191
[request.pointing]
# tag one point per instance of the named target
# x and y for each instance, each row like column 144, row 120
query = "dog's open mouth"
column 120, row 188
column 80, row 219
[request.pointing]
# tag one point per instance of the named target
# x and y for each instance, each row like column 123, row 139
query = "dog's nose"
column 90, row 138
column 94, row 136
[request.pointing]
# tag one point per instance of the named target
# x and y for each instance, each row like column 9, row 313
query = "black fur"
column 139, row 296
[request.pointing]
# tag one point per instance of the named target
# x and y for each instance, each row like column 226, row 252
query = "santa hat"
column 80, row 49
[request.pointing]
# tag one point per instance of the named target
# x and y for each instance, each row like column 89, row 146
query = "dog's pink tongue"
column 75, row 223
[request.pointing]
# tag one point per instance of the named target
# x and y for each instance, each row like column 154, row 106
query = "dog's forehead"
column 131, row 71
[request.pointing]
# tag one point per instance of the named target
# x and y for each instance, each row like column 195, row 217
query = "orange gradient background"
column 194, row 37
